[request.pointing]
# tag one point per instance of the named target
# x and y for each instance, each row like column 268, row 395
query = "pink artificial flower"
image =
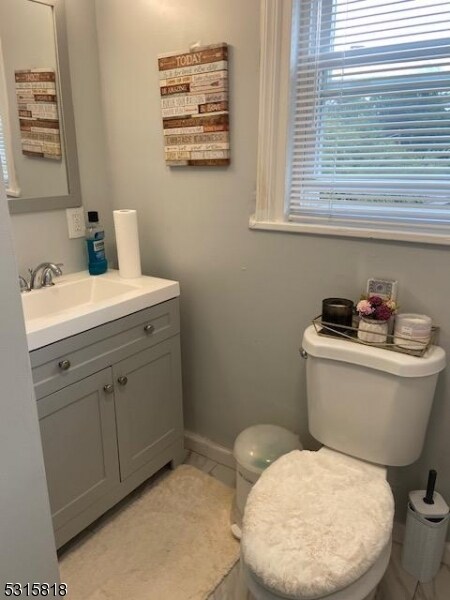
column 364, row 308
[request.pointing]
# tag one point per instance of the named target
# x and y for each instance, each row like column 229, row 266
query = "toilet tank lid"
column 403, row 365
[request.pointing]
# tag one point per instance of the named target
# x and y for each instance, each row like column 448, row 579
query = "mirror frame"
column 67, row 131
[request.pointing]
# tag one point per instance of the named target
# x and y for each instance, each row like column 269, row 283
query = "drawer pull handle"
column 108, row 388
column 122, row 380
column 149, row 328
column 64, row 365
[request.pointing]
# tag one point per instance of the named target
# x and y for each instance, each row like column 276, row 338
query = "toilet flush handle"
column 303, row 353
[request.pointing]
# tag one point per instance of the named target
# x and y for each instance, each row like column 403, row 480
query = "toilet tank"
column 369, row 402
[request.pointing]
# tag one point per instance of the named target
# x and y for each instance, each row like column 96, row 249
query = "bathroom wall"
column 246, row 295
column 43, row 235
column 27, row 551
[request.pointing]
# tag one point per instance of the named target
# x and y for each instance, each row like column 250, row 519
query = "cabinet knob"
column 64, row 364
column 108, row 388
column 149, row 328
column 122, row 380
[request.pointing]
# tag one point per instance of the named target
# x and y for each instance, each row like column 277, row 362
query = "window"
column 363, row 147
column 7, row 170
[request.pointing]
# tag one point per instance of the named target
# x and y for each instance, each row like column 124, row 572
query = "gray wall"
column 246, row 295
column 27, row 548
column 43, row 236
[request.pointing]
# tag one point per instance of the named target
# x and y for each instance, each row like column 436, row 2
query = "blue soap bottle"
column 95, row 239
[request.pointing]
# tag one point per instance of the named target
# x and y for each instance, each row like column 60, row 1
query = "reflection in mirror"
column 37, row 136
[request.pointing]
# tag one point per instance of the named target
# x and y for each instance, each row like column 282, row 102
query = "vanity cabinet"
column 110, row 411
column 147, row 418
column 79, row 443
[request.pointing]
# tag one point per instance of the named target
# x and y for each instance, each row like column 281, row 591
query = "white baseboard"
column 205, row 447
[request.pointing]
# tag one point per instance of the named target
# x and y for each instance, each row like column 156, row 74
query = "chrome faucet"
column 46, row 279
column 24, row 285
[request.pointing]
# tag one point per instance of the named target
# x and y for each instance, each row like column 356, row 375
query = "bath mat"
column 171, row 542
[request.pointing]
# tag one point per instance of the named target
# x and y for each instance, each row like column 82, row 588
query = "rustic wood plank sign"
column 38, row 113
column 194, row 103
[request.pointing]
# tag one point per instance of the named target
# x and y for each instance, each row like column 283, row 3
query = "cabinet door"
column 78, row 433
column 148, row 404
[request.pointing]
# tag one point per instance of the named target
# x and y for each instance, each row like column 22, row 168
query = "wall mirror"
column 37, row 130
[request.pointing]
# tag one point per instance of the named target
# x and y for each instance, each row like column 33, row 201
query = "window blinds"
column 3, row 164
column 370, row 121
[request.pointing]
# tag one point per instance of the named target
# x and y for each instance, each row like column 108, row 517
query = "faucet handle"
column 24, row 285
column 48, row 272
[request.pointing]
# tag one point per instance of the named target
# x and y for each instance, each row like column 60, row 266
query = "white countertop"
column 79, row 301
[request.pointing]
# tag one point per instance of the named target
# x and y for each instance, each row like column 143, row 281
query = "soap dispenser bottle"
column 95, row 239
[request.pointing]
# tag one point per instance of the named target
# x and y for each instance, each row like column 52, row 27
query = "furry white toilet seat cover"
column 315, row 522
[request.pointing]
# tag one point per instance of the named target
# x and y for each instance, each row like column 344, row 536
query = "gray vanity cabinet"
column 110, row 410
column 79, row 444
column 147, row 417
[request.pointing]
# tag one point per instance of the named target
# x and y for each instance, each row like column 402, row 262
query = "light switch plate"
column 75, row 222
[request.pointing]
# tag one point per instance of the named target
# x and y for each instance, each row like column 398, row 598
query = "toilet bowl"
column 318, row 525
column 363, row 588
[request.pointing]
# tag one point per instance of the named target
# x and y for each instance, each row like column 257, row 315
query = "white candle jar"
column 412, row 331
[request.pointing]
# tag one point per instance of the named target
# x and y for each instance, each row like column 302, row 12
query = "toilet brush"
column 429, row 496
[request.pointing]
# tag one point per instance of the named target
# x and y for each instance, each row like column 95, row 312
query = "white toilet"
column 318, row 524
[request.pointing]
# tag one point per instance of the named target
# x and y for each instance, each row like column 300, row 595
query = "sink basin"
column 79, row 301
column 70, row 295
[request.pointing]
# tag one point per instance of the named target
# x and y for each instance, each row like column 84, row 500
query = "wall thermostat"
column 385, row 288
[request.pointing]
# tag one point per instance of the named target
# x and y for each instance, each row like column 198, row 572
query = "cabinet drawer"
column 62, row 363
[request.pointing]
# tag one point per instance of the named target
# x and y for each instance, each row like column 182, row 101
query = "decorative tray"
column 350, row 334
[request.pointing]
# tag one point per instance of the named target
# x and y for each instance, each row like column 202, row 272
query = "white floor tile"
column 396, row 584
column 200, row 462
column 438, row 589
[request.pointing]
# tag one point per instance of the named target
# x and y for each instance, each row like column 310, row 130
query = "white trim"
column 401, row 235
column 208, row 448
column 273, row 108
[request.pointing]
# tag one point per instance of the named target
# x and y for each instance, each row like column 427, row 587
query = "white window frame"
column 13, row 189
column 273, row 144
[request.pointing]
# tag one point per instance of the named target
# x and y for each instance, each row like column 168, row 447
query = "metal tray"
column 350, row 334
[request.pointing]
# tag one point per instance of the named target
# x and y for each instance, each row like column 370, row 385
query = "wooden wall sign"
column 38, row 113
column 194, row 103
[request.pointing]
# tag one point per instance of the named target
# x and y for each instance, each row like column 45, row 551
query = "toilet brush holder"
column 426, row 531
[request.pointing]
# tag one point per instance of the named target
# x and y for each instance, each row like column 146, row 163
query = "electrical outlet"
column 75, row 222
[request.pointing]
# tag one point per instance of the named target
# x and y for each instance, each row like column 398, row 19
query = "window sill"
column 436, row 237
column 13, row 192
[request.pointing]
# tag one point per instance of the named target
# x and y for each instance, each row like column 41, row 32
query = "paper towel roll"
column 127, row 240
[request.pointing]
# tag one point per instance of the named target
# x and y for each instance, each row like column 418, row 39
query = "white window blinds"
column 370, row 126
column 3, row 163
